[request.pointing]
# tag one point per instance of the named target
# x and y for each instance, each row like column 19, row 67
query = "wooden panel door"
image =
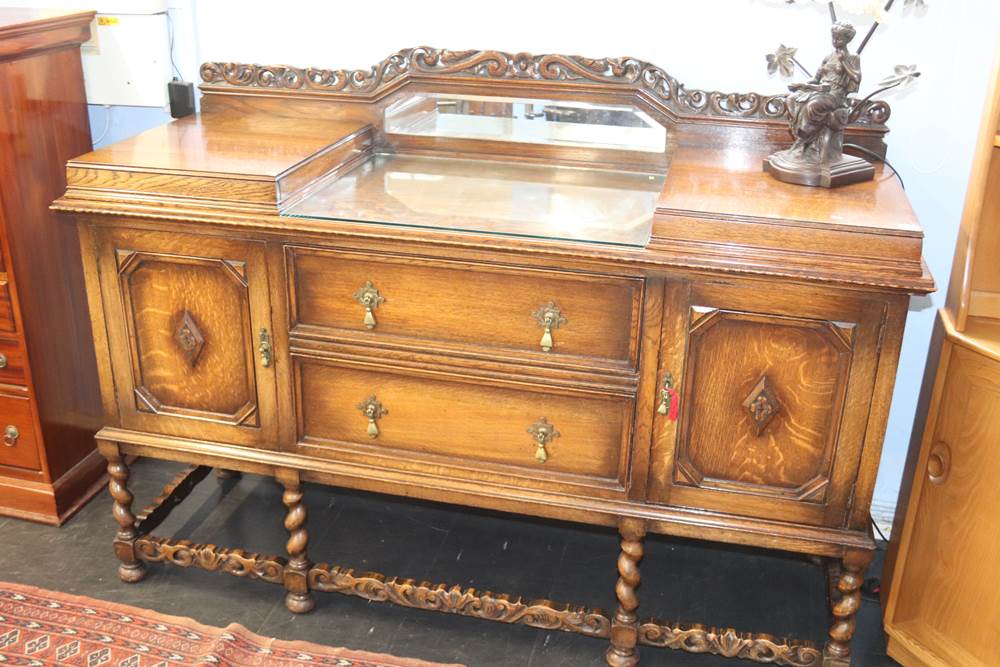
column 188, row 316
column 944, row 606
column 774, row 402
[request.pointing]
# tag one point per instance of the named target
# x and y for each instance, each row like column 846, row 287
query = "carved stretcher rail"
column 487, row 605
column 760, row 647
column 451, row 599
column 173, row 493
column 212, row 558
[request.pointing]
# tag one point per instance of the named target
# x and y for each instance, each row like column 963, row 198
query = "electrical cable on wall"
column 170, row 47
column 179, row 91
column 108, row 111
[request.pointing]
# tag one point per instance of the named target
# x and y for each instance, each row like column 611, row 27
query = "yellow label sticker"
column 107, row 20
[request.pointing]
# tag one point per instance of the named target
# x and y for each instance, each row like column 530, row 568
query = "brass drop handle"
column 549, row 317
column 369, row 297
column 3, row 361
column 543, row 432
column 10, row 435
column 373, row 411
column 266, row 356
column 939, row 463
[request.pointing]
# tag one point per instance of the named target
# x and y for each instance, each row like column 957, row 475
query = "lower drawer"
column 402, row 418
column 18, row 444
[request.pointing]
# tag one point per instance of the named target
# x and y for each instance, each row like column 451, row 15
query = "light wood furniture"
column 942, row 603
column 548, row 285
column 49, row 397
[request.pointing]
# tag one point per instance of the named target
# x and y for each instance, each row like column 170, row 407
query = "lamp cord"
column 873, row 154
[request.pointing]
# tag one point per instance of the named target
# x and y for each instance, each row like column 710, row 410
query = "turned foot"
column 625, row 624
column 616, row 658
column 298, row 599
column 846, row 602
column 299, row 603
column 223, row 474
column 132, row 573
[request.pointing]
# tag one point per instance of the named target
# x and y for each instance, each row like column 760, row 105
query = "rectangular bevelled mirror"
column 534, row 121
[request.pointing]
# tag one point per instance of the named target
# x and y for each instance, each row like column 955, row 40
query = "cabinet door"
column 774, row 401
column 186, row 316
column 945, row 600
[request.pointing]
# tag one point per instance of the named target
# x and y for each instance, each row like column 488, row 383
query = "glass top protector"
column 458, row 186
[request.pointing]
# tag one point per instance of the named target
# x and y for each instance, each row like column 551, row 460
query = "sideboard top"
column 222, row 145
column 273, row 142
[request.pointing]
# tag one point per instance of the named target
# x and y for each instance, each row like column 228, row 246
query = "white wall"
column 706, row 44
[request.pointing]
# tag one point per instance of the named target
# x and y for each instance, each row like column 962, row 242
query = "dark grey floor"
column 686, row 580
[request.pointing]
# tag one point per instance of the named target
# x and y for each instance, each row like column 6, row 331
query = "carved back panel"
column 524, row 74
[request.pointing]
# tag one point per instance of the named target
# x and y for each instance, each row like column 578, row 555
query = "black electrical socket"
column 181, row 95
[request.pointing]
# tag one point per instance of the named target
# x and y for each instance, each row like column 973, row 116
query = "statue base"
column 848, row 169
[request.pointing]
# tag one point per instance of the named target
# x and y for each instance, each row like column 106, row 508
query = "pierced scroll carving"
column 457, row 600
column 189, row 339
column 730, row 643
column 212, row 558
column 663, row 89
column 762, row 404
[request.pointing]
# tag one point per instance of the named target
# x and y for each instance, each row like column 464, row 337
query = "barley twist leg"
column 837, row 651
column 298, row 599
column 625, row 624
column 132, row 569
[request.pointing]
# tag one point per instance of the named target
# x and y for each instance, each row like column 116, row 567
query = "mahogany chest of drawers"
column 372, row 280
column 49, row 397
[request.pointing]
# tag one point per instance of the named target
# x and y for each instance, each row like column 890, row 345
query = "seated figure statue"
column 819, row 110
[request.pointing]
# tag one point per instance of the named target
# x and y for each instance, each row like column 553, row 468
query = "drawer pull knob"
column 373, row 411
column 549, row 317
column 10, row 435
column 543, row 432
column 670, row 402
column 3, row 361
column 369, row 297
column 264, row 348
column 939, row 463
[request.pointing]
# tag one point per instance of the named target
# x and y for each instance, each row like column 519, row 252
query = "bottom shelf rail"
column 452, row 599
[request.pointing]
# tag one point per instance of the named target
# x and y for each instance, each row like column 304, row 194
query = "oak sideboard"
column 548, row 285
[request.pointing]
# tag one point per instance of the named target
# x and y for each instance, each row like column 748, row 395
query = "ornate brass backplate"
column 373, row 411
column 550, row 317
column 544, row 433
column 369, row 297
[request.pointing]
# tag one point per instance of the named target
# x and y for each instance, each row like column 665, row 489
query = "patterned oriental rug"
column 39, row 628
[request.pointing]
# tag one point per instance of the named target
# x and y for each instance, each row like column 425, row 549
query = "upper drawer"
column 592, row 319
column 6, row 308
